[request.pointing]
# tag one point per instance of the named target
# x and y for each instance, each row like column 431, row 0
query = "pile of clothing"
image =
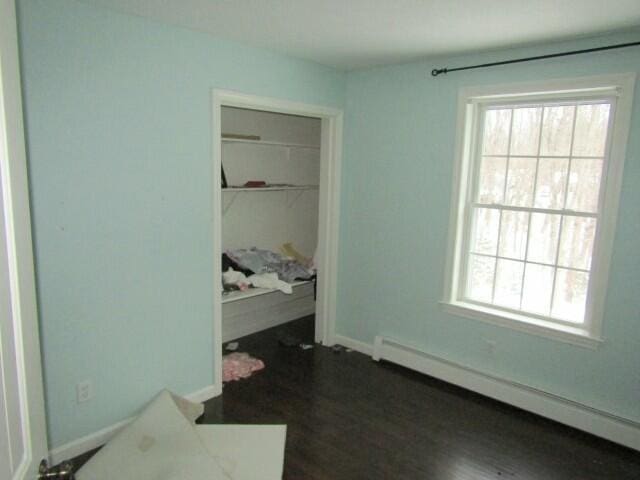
column 244, row 268
column 236, row 366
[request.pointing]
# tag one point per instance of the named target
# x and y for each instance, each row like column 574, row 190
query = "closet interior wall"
column 283, row 151
column 288, row 152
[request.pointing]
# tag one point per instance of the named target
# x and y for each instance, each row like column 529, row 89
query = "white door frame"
column 23, row 410
column 329, row 209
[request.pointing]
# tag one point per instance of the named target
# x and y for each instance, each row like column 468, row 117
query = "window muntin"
column 534, row 206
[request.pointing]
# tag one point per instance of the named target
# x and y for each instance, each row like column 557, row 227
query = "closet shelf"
column 270, row 189
column 228, row 200
column 267, row 142
column 254, row 292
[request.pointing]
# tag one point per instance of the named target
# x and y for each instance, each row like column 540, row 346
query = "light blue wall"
column 399, row 142
column 118, row 127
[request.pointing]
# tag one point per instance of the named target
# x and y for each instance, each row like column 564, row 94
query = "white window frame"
column 470, row 101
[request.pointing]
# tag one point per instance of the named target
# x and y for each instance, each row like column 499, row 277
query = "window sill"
column 563, row 333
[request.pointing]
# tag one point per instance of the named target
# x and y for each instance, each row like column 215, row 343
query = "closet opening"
column 275, row 217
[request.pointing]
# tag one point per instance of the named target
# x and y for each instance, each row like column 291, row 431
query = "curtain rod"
column 437, row 71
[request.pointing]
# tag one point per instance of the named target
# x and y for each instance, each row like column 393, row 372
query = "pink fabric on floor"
column 239, row 365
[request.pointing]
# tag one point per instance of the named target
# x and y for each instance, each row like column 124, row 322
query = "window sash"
column 523, row 311
column 532, row 262
column 552, row 211
column 477, row 132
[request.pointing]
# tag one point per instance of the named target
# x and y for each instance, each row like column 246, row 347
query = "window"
column 537, row 190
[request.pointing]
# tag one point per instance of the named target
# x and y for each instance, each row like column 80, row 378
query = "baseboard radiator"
column 582, row 417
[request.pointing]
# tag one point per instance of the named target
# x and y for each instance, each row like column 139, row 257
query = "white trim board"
column 248, row 324
column 258, row 313
column 597, row 422
column 96, row 439
column 23, row 434
column 328, row 215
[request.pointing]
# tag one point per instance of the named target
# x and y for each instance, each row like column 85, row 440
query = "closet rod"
column 437, row 71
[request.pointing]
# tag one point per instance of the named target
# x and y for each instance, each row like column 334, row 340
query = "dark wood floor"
column 351, row 418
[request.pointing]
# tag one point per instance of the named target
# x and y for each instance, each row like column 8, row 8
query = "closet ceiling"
column 351, row 34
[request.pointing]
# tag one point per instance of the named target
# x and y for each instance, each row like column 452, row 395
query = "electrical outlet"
column 84, row 391
column 490, row 346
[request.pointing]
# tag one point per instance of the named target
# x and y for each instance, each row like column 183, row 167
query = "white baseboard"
column 356, row 345
column 597, row 422
column 86, row 443
column 204, row 394
column 96, row 439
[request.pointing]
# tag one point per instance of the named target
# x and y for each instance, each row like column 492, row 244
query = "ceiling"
column 351, row 34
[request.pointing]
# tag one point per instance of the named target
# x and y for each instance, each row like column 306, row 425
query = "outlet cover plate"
column 84, row 391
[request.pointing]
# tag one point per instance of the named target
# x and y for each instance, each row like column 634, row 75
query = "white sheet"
column 163, row 443
column 247, row 452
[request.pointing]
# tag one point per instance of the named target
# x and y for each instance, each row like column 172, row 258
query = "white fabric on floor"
column 163, row 443
column 247, row 452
